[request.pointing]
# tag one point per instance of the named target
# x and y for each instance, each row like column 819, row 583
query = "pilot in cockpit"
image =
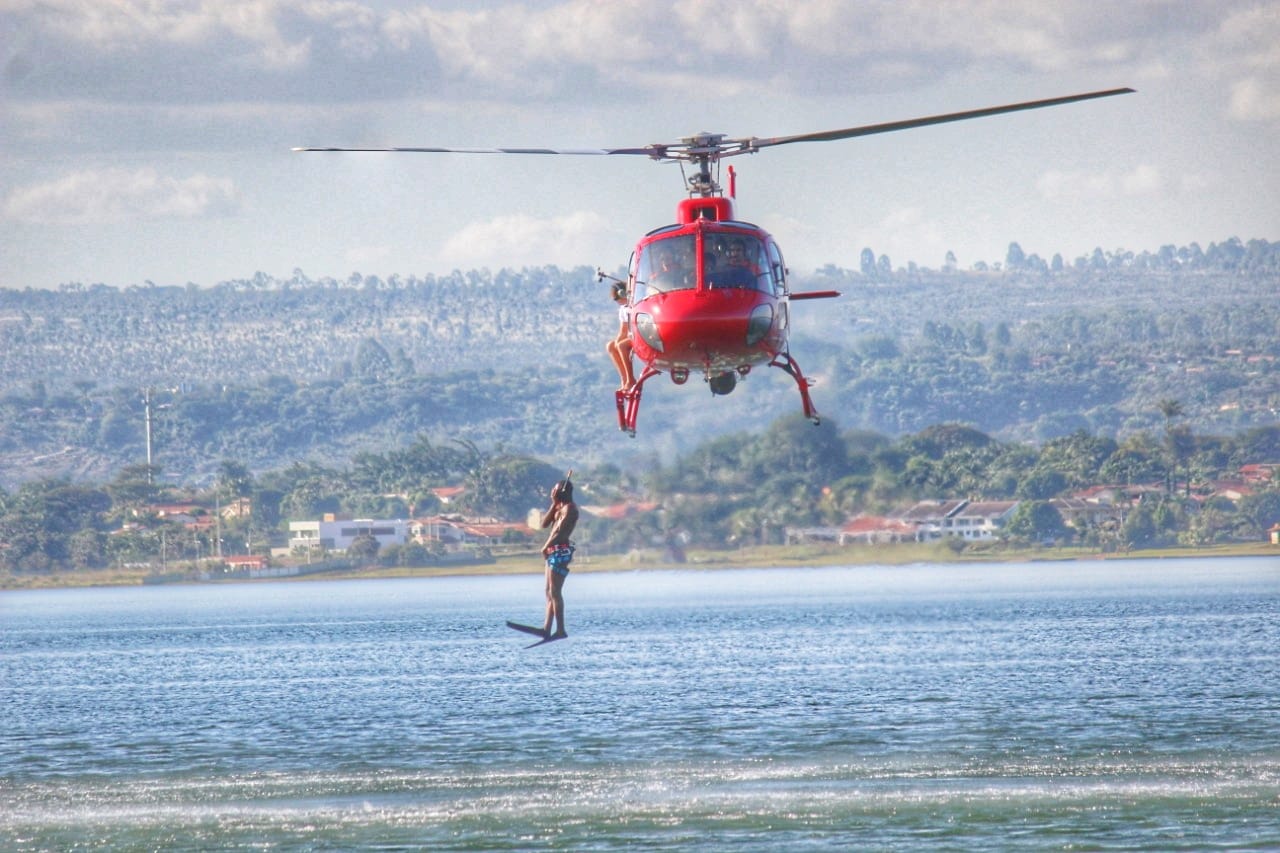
column 737, row 270
column 737, row 257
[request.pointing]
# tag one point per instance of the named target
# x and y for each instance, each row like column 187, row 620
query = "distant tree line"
column 1254, row 257
column 734, row 490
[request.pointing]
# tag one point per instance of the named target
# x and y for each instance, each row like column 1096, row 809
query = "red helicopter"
column 709, row 293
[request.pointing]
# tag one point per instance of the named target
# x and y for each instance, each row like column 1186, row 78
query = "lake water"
column 1117, row 705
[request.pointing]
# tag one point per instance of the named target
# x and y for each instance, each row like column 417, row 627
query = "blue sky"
column 146, row 140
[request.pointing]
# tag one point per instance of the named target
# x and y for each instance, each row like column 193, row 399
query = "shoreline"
column 778, row 556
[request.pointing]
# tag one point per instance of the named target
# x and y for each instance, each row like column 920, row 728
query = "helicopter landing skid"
column 786, row 362
column 629, row 401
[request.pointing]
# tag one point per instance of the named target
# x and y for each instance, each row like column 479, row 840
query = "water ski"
column 537, row 632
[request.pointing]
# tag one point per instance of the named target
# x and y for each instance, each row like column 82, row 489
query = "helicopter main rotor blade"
column 889, row 127
column 647, row 152
column 706, row 148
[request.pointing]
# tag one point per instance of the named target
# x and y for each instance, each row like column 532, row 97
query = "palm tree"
column 1170, row 409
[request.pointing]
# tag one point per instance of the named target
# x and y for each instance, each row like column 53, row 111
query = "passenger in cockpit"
column 667, row 265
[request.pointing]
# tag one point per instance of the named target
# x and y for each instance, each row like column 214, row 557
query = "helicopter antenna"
column 701, row 183
column 704, row 184
column 702, row 151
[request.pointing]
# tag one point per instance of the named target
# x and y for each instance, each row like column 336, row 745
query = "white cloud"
column 125, row 27
column 571, row 49
column 1249, row 39
column 1254, row 100
column 904, row 234
column 519, row 240
column 364, row 257
column 1244, row 52
column 119, row 195
column 1144, row 179
column 742, row 29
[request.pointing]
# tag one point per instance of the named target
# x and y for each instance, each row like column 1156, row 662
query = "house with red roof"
column 448, row 494
column 619, row 511
column 1258, row 473
column 453, row 530
column 876, row 530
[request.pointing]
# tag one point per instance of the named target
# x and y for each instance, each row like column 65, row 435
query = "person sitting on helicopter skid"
column 619, row 348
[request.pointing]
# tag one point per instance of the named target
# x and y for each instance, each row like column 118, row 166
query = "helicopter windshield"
column 666, row 265
column 730, row 259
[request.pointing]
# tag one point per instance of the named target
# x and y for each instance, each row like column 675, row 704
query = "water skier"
column 562, row 517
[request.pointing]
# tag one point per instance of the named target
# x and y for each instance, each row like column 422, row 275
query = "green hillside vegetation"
column 360, row 388
column 743, row 489
column 271, row 371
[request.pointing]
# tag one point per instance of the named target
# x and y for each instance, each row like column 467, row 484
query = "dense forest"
column 271, row 372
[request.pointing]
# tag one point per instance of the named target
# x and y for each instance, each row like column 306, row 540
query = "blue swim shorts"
column 560, row 558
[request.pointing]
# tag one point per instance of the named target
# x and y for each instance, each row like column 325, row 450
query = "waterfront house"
column 333, row 534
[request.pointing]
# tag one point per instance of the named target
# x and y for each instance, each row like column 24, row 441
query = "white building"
column 976, row 520
column 331, row 534
column 982, row 520
column 437, row 528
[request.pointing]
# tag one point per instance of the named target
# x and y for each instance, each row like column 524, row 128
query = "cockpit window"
column 736, row 260
column 665, row 265
column 730, row 259
column 779, row 269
